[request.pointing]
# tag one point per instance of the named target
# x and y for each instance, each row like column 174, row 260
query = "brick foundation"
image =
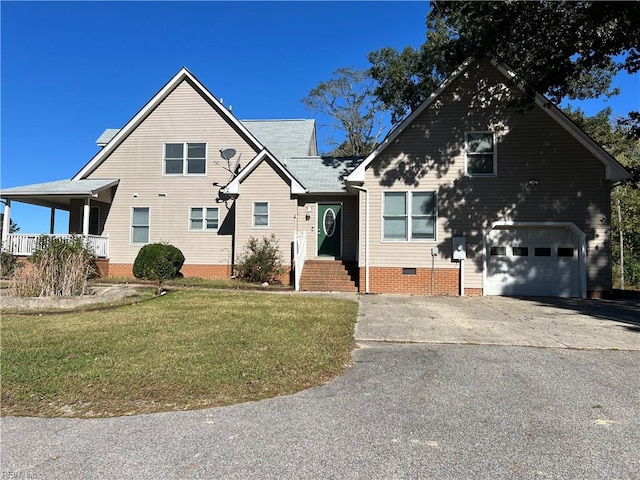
column 392, row 280
column 209, row 272
column 102, row 266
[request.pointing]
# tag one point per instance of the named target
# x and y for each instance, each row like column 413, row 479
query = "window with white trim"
column 185, row 158
column 203, row 218
column 140, row 225
column 409, row 216
column 260, row 214
column 481, row 154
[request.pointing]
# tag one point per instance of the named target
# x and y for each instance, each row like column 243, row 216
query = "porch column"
column 6, row 222
column 52, row 220
column 85, row 216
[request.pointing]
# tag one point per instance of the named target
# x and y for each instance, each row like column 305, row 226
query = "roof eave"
column 613, row 169
column 233, row 188
column 144, row 112
column 358, row 174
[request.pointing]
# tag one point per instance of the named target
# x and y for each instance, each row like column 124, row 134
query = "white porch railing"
column 25, row 244
column 299, row 256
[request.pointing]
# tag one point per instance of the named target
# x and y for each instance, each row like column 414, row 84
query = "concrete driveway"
column 537, row 322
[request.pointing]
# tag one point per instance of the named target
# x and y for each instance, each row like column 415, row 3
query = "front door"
column 329, row 230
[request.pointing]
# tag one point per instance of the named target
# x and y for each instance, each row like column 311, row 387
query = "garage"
column 529, row 260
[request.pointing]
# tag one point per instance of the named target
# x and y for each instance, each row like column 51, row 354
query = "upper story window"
column 260, row 214
column 203, row 218
column 185, row 158
column 409, row 216
column 482, row 157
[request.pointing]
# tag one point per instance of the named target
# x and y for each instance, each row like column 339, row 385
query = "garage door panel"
column 532, row 261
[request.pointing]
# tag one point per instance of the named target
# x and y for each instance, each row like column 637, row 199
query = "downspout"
column 366, row 237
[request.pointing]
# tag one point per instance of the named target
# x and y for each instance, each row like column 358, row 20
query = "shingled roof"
column 285, row 139
column 322, row 174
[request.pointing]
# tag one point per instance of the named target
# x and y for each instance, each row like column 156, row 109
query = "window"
column 481, row 154
column 203, row 218
column 140, row 225
column 185, row 159
column 543, row 251
column 260, row 214
column 94, row 221
column 520, row 251
column 498, row 251
column 409, row 216
column 565, row 252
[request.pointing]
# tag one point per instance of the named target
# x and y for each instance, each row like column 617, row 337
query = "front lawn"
column 189, row 349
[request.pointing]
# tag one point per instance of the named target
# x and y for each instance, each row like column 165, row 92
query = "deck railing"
column 24, row 244
column 299, row 256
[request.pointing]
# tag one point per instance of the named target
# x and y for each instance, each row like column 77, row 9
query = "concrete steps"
column 329, row 276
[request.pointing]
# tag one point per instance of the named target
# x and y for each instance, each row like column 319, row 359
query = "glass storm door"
column 329, row 230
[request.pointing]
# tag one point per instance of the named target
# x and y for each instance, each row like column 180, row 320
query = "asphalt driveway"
column 537, row 322
column 401, row 411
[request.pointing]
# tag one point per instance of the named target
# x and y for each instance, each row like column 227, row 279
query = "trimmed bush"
column 158, row 262
column 58, row 267
column 261, row 261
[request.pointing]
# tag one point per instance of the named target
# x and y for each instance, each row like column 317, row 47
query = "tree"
column 625, row 198
column 348, row 99
column 563, row 49
column 13, row 226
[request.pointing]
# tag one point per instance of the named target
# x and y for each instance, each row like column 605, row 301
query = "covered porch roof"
column 58, row 194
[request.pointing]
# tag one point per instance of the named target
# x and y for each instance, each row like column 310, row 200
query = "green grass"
column 188, row 349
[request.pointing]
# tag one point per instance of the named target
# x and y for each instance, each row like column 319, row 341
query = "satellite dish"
column 227, row 153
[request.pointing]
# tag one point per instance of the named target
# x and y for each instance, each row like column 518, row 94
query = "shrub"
column 158, row 262
column 261, row 261
column 7, row 263
column 58, row 267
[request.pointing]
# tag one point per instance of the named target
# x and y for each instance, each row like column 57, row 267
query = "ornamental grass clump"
column 158, row 262
column 58, row 267
column 261, row 261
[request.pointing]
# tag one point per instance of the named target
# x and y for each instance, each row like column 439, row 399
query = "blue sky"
column 71, row 69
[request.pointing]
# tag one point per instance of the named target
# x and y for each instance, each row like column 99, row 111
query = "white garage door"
column 533, row 261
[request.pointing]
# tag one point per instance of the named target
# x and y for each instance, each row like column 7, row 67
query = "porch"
column 87, row 201
column 23, row 245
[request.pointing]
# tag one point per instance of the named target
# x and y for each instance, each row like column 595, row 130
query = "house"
column 468, row 195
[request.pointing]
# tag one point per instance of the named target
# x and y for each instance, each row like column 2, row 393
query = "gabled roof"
column 139, row 117
column 286, row 138
column 233, row 188
column 323, row 174
column 614, row 171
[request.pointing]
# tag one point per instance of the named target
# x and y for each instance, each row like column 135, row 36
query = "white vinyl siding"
column 185, row 159
column 260, row 215
column 409, row 216
column 482, row 157
column 140, row 225
column 184, row 116
column 203, row 218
